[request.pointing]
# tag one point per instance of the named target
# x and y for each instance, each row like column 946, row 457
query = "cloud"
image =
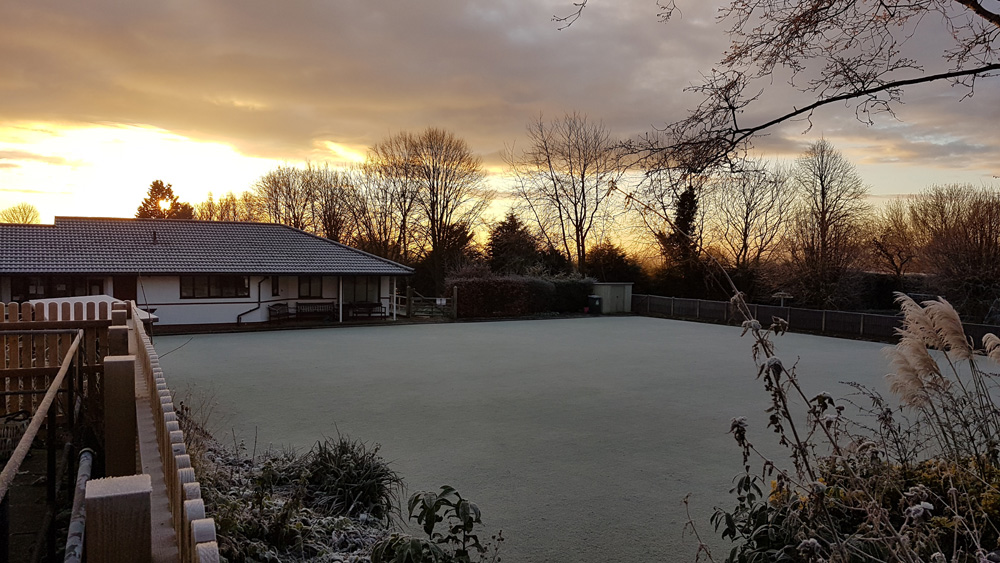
column 284, row 81
column 26, row 191
column 30, row 156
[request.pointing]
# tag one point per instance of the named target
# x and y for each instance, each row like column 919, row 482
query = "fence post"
column 409, row 302
column 117, row 340
column 5, row 524
column 862, row 324
column 671, row 306
column 118, row 519
column 823, row 323
column 454, row 302
column 119, row 415
column 697, row 309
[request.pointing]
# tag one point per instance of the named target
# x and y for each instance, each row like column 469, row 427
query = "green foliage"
column 511, row 248
column 161, row 203
column 609, row 263
column 457, row 543
column 571, row 294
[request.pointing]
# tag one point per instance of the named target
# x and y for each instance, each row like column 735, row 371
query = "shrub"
column 287, row 506
column 457, row 544
column 571, row 294
column 518, row 296
column 919, row 482
column 348, row 478
column 502, row 296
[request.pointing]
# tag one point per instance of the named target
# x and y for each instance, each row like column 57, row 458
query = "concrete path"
column 577, row 437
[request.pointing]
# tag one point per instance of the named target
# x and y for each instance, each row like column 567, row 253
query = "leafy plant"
column 458, row 543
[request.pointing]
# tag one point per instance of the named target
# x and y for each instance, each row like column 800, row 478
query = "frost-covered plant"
column 918, row 482
column 328, row 504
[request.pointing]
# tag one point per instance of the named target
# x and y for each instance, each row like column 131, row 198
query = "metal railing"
column 46, row 412
column 847, row 324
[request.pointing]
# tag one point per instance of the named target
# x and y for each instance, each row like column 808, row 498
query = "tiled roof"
column 165, row 246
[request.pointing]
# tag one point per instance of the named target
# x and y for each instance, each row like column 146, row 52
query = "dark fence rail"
column 833, row 323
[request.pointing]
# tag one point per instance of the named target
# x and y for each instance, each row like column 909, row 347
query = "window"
column 310, row 286
column 275, row 288
column 201, row 287
column 360, row 289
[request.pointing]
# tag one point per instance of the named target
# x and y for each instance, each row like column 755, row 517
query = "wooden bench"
column 315, row 310
column 281, row 311
column 367, row 309
column 278, row 312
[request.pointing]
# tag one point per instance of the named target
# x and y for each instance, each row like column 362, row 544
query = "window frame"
column 214, row 286
column 314, row 285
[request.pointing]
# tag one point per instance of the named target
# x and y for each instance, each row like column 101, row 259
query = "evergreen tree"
column 511, row 249
column 161, row 203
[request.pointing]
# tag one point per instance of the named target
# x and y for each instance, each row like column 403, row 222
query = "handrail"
column 21, row 451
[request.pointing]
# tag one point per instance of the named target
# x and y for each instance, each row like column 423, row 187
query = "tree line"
column 582, row 203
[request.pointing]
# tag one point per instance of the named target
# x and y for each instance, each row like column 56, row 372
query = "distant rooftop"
column 171, row 246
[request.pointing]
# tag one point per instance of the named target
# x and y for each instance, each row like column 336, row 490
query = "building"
column 196, row 272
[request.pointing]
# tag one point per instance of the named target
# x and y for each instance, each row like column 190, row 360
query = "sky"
column 100, row 98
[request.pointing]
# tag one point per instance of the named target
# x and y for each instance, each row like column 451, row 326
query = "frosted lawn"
column 577, row 437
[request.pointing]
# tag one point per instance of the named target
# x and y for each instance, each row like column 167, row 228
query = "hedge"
column 518, row 296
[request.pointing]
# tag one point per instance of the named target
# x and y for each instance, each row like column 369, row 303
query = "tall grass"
column 869, row 481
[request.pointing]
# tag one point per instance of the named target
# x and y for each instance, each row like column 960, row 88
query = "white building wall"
column 163, row 293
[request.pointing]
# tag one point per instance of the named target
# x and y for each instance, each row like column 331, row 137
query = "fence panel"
column 717, row 311
column 767, row 312
column 685, row 308
column 881, row 327
column 835, row 323
column 843, row 323
column 28, row 362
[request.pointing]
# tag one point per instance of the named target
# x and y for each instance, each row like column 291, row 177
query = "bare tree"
column 451, row 193
column 837, row 51
column 207, row 210
column 751, row 210
column 375, row 212
column 564, row 179
column 21, row 214
column 331, row 204
column 825, row 241
column 959, row 230
column 894, row 240
column 286, row 197
column 389, row 168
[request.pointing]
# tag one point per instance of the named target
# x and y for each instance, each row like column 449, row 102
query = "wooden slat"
column 103, row 310
column 65, row 310
column 77, row 312
column 53, row 325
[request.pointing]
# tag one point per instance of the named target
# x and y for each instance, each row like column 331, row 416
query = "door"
column 124, row 288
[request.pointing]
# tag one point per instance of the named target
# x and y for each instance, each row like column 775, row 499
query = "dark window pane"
column 187, row 286
column 201, row 286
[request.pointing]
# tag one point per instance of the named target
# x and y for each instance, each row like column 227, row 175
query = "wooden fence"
column 415, row 305
column 195, row 532
column 833, row 323
column 29, row 362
